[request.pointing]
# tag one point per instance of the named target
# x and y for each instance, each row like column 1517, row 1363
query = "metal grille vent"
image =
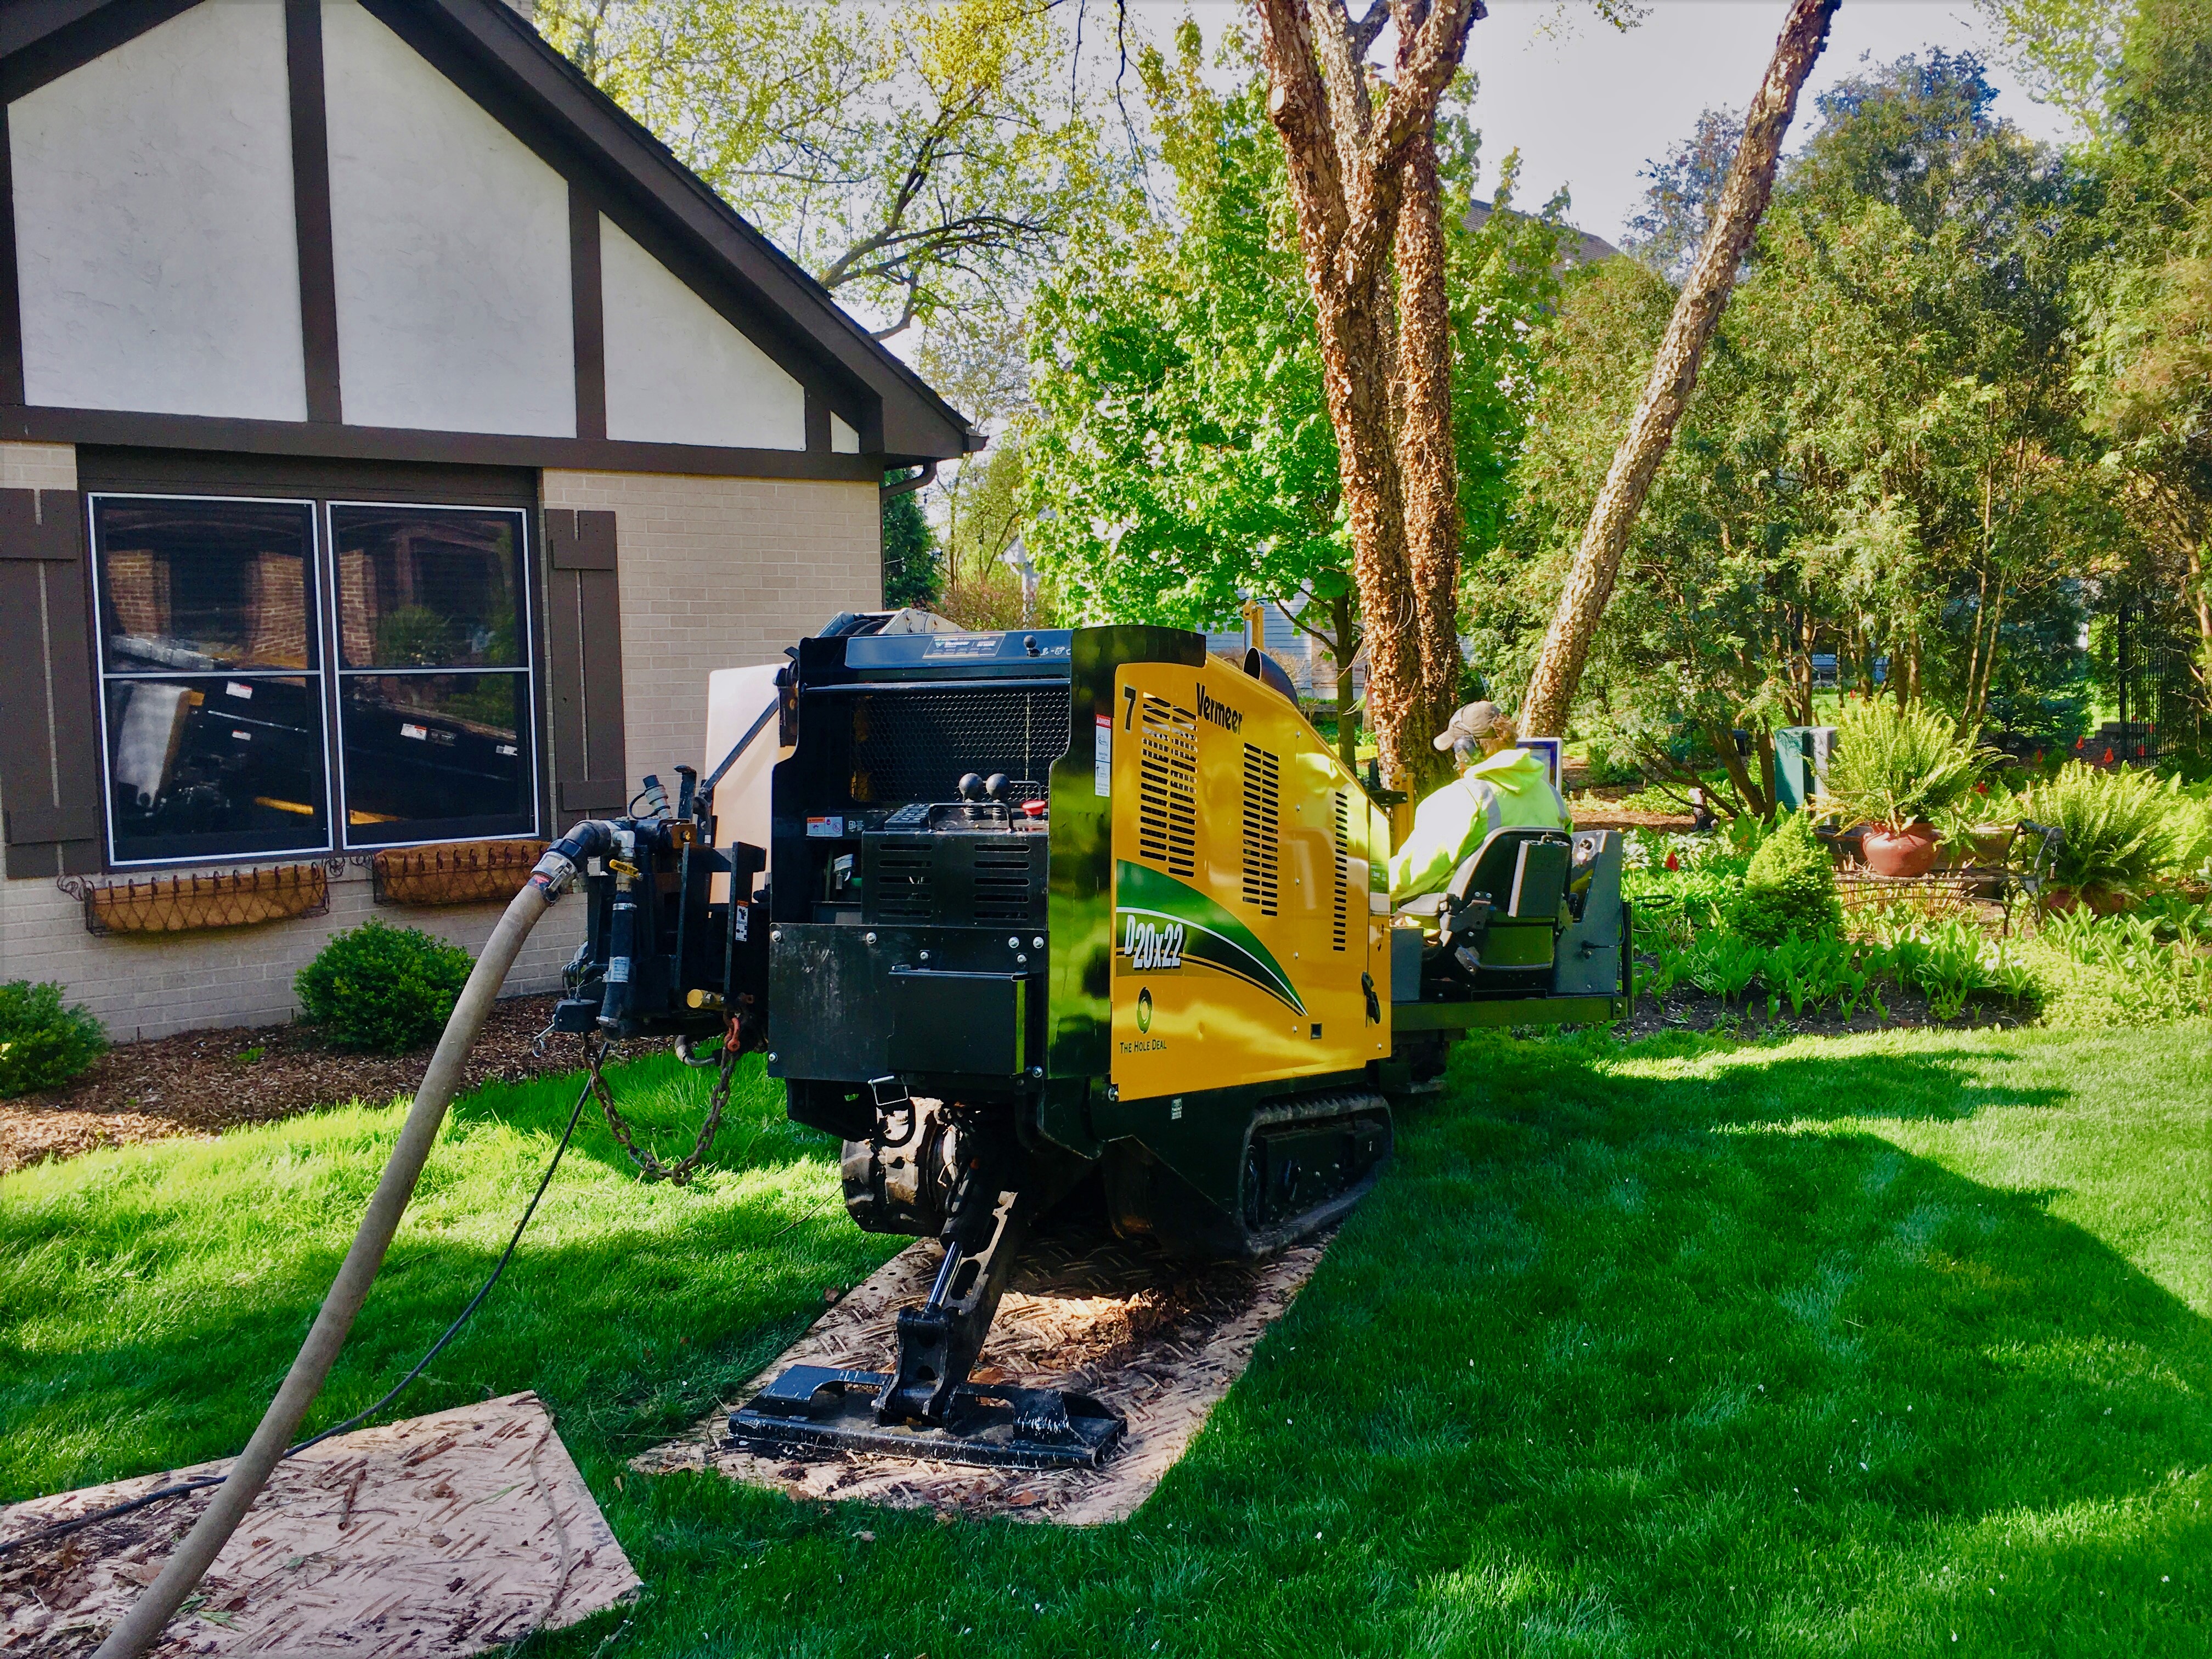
column 912, row 743
column 903, row 884
column 1002, row 883
column 1262, row 833
column 1342, row 826
column 1167, row 803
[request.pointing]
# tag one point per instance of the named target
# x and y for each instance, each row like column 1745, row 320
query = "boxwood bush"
column 382, row 988
column 43, row 1042
column 1790, row 887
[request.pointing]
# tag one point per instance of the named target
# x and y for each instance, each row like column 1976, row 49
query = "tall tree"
column 1551, row 693
column 1349, row 175
column 1182, row 453
column 923, row 159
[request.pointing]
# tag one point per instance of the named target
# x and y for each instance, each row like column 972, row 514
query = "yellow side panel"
column 1245, row 857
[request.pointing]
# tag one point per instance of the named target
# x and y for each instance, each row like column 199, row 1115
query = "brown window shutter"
column 50, row 767
column 591, row 778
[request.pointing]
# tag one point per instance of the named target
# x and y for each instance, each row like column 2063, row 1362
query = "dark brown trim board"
column 42, row 40
column 11, row 305
column 207, row 472
column 586, row 291
column 311, row 201
column 50, row 771
column 584, row 653
column 366, row 443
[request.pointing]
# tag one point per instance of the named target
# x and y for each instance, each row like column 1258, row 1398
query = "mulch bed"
column 199, row 1083
column 1686, row 1008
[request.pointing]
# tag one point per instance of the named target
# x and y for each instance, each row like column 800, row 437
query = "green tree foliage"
column 923, row 160
column 382, row 988
column 1883, row 460
column 1182, row 456
column 911, row 573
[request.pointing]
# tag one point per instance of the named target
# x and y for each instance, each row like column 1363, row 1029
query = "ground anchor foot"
column 811, row 1411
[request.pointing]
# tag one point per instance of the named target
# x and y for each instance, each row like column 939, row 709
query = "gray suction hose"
column 139, row 1628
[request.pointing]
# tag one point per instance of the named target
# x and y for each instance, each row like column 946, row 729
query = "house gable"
column 406, row 229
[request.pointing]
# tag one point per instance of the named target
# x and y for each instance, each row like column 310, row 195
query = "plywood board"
column 436, row 1537
column 1158, row 1340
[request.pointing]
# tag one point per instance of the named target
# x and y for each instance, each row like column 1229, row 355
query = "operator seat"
column 1498, row 918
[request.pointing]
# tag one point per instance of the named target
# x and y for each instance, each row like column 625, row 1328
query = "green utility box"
column 1801, row 764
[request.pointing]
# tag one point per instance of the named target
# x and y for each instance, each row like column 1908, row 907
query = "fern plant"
column 1898, row 765
column 2120, row 828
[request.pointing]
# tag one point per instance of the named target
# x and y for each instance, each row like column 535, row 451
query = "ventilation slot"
column 1343, row 833
column 1002, row 885
column 1167, row 803
column 1262, row 793
column 901, row 885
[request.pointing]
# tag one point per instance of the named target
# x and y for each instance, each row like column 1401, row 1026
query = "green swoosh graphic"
column 1213, row 936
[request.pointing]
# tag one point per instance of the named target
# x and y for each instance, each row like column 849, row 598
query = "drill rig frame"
column 1053, row 908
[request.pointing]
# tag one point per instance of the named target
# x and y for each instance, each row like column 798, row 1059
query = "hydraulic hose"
column 139, row 1628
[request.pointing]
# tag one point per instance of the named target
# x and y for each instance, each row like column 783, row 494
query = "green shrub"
column 2120, row 827
column 42, row 1042
column 382, row 988
column 1896, row 766
column 1790, row 887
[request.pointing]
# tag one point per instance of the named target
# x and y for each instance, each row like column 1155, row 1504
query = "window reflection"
column 216, row 766
column 436, row 756
column 427, row 587
column 202, row 584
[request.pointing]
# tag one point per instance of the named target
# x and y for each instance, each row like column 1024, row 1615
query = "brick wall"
column 721, row 573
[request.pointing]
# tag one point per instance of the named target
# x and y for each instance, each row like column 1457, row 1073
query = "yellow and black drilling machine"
column 1058, row 911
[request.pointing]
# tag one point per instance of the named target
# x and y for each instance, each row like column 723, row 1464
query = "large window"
column 267, row 688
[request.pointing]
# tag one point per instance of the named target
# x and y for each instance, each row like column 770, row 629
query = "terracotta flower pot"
column 2098, row 900
column 1907, row 851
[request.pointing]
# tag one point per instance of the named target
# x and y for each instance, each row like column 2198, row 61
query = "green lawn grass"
column 1833, row 1346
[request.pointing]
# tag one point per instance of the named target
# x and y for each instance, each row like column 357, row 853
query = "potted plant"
column 2122, row 830
column 1897, row 768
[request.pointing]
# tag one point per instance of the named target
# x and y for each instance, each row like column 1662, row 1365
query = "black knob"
column 970, row 786
column 1029, row 644
column 997, row 785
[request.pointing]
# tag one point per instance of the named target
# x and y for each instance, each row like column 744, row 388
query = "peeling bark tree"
column 1674, row 374
column 1352, row 169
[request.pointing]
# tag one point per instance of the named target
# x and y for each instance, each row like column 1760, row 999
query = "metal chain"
column 650, row 1168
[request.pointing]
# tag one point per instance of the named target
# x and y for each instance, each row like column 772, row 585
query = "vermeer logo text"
column 1228, row 719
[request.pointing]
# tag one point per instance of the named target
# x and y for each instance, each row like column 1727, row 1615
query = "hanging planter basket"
column 456, row 872
column 188, row 904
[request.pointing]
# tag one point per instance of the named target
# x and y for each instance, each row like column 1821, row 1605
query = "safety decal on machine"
column 829, row 826
column 1102, row 757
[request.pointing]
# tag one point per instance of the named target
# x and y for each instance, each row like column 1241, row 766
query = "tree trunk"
column 1426, row 456
column 1559, row 669
column 1348, row 168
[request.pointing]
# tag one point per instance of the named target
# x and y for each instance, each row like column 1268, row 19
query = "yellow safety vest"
column 1512, row 788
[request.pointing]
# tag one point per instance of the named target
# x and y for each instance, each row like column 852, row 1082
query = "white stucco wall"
column 154, row 221
column 676, row 370
column 843, row 440
column 451, row 241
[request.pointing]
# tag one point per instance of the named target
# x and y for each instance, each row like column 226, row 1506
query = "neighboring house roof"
column 498, row 59
column 1582, row 248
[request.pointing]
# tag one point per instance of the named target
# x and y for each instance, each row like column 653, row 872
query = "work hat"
column 1471, row 721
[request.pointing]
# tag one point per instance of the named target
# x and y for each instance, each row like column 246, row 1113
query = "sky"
column 1588, row 105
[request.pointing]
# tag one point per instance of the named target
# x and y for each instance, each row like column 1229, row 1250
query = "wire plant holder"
column 196, row 903
column 455, row 873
